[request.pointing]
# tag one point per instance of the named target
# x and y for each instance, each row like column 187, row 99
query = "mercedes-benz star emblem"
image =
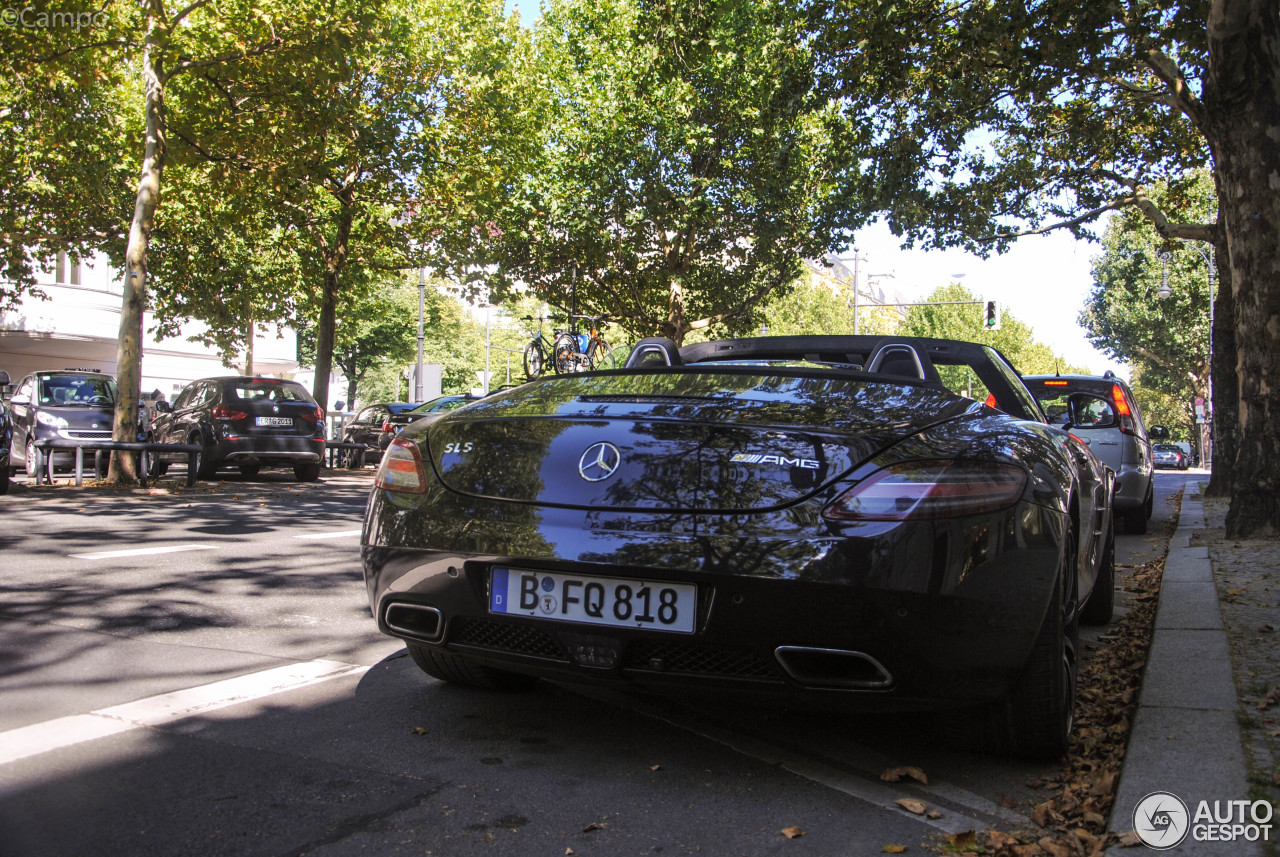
column 599, row 462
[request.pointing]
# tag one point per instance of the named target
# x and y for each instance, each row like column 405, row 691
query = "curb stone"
column 1186, row 738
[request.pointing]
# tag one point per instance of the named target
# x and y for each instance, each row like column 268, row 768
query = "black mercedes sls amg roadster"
column 887, row 523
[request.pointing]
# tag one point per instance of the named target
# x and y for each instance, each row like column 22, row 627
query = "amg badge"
column 780, row 460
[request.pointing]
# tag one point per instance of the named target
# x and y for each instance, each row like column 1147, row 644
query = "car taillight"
column 313, row 415
column 401, row 469
column 222, row 412
column 991, row 401
column 386, row 427
column 930, row 489
column 1127, row 424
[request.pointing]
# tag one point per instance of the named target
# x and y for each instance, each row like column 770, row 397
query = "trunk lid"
column 717, row 441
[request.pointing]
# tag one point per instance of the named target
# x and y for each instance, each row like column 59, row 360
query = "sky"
column 1043, row 280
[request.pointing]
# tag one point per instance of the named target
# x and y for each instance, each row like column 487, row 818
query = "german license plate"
column 612, row 601
column 275, row 421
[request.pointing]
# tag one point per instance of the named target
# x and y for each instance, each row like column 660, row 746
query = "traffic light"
column 991, row 321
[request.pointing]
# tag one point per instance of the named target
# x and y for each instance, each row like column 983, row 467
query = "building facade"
column 78, row 327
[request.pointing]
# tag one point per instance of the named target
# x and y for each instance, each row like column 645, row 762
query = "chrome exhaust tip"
column 833, row 668
column 414, row 621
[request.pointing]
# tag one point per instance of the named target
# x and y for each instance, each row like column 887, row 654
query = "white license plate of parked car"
column 610, row 601
column 275, row 421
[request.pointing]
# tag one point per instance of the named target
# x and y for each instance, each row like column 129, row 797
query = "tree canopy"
column 680, row 179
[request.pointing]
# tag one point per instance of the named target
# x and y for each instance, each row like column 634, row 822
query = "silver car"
column 1101, row 410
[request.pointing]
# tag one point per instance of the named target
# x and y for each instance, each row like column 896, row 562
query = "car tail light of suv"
column 222, row 412
column 1123, row 411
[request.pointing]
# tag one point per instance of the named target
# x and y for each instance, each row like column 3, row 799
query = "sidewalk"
column 1186, row 738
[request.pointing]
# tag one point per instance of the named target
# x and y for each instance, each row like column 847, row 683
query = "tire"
column 533, row 361
column 448, row 667
column 353, row 459
column 1101, row 604
column 31, row 459
column 566, row 349
column 155, row 467
column 250, row 470
column 4, row 479
column 1135, row 519
column 206, row 467
column 600, row 356
column 307, row 471
column 1034, row 719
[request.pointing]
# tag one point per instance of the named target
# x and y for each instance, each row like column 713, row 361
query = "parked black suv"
column 73, row 404
column 246, row 422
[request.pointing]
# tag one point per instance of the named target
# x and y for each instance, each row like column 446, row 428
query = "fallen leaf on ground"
column 912, row 805
column 893, row 849
column 419, row 730
column 792, row 832
column 893, row 775
column 962, row 842
column 593, row 826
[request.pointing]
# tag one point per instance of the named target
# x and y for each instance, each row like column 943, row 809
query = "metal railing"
column 44, row 463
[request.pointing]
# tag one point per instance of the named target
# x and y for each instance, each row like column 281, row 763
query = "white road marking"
column 345, row 534
column 143, row 551
column 167, row 707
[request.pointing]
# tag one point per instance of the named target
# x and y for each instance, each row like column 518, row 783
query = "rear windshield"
column 72, row 390
column 267, row 391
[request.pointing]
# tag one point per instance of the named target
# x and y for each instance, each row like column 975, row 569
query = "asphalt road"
column 200, row 675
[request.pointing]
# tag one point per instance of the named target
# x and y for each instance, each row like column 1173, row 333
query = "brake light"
column 313, row 415
column 991, row 401
column 401, row 469
column 386, row 426
column 1056, row 383
column 222, row 412
column 1127, row 424
column 930, row 489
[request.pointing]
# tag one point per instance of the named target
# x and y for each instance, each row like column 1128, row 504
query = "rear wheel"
column 1100, row 606
column 566, row 353
column 1135, row 519
column 1034, row 720
column 446, row 666
column 307, row 471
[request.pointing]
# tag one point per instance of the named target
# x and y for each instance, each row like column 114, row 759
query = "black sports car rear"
column 809, row 517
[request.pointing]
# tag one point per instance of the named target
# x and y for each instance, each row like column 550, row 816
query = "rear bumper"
column 874, row 624
column 1132, row 485
column 261, row 450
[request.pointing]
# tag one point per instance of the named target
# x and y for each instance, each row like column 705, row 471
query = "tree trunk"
column 335, row 257
column 1242, row 100
column 123, row 469
column 1224, row 427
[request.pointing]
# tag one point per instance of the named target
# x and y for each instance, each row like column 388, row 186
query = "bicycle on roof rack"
column 576, row 351
column 539, row 351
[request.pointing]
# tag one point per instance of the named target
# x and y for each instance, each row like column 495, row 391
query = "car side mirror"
column 1159, row 432
column 20, row 400
column 163, row 407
